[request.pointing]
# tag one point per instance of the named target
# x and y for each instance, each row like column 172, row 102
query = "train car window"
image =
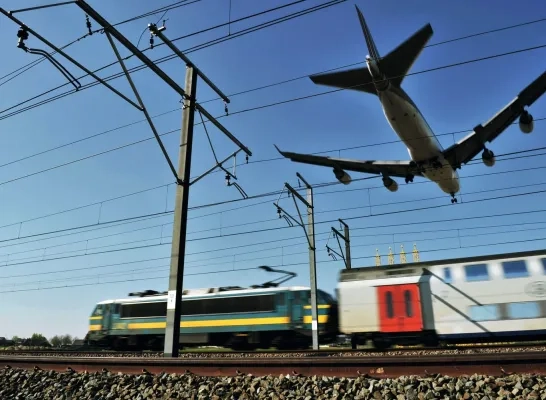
column 98, row 311
column 476, row 272
column 515, row 269
column 447, row 275
column 388, row 303
column 144, row 310
column 222, row 305
column 528, row 309
column 488, row 312
column 407, row 301
column 543, row 260
column 228, row 305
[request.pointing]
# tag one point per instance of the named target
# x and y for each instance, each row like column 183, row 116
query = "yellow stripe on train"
column 217, row 323
column 95, row 327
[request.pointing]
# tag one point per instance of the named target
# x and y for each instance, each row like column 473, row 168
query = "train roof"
column 204, row 293
column 412, row 268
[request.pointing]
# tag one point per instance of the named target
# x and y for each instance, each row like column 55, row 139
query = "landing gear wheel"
column 409, row 178
column 453, row 198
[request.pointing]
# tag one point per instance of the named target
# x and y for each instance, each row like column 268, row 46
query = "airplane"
column 383, row 77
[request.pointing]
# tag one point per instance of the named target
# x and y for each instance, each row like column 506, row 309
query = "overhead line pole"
column 178, row 250
column 347, row 256
column 310, row 236
column 178, row 247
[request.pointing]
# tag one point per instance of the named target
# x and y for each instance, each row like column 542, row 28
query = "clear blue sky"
column 453, row 99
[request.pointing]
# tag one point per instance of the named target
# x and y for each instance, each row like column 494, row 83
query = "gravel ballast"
column 19, row 384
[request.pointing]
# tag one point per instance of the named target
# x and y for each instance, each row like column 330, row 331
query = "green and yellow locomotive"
column 233, row 317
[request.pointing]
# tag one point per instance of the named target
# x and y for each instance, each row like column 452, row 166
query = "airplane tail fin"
column 372, row 48
column 395, row 65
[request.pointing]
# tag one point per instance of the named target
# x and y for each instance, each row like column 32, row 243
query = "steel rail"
column 496, row 364
column 332, row 351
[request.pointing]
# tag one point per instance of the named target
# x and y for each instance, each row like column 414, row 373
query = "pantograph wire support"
column 112, row 31
column 220, row 165
column 23, row 35
column 310, row 236
column 346, row 257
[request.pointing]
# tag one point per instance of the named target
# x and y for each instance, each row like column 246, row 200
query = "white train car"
column 491, row 298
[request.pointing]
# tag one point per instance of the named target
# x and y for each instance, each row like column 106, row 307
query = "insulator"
column 88, row 24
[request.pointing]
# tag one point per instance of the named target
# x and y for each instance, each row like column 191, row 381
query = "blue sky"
column 452, row 100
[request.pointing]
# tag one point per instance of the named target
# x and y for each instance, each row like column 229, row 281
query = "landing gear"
column 409, row 178
column 453, row 198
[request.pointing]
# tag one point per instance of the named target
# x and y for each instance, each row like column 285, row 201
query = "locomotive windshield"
column 325, row 297
column 97, row 311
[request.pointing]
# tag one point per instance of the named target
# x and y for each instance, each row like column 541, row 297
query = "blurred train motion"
column 487, row 298
column 261, row 316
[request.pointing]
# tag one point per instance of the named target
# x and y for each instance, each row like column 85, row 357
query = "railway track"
column 212, row 353
column 384, row 366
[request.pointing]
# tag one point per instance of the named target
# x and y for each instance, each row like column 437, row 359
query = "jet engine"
column 390, row 184
column 526, row 124
column 488, row 158
column 342, row 176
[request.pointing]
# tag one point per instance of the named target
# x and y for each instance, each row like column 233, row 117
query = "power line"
column 394, row 77
column 9, row 255
column 305, row 97
column 348, row 65
column 275, row 266
column 95, row 225
column 101, row 153
column 450, row 220
column 176, row 130
column 125, row 221
column 171, row 57
column 278, row 228
column 125, row 272
column 154, row 259
column 32, row 64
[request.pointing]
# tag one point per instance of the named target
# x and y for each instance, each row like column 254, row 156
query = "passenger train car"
column 488, row 298
column 235, row 317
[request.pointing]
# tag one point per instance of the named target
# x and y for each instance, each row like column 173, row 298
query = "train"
column 488, row 298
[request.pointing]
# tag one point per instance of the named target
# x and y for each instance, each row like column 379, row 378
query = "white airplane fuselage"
column 411, row 127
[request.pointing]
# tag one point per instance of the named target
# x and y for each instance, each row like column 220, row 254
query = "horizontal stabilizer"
column 355, row 79
column 398, row 62
column 394, row 65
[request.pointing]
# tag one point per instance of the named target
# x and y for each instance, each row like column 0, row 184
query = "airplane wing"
column 399, row 169
column 467, row 148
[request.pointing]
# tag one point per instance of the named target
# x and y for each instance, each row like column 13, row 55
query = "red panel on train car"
column 399, row 308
